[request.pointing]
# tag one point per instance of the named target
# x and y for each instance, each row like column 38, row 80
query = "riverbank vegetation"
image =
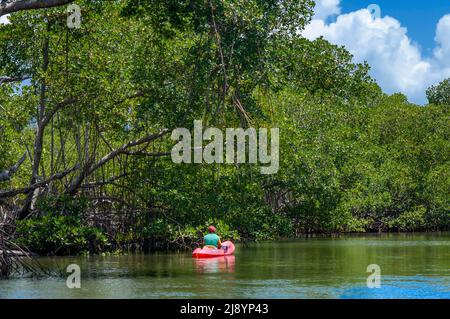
column 86, row 116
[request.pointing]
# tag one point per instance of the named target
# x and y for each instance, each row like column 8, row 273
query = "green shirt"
column 212, row 240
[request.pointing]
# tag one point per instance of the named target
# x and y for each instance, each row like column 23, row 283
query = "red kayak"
column 226, row 249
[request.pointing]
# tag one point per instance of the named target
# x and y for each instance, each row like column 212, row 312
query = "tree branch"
column 28, row 189
column 88, row 170
column 147, row 154
column 6, row 174
column 7, row 7
column 106, row 182
column 48, row 116
column 11, row 79
column 124, row 147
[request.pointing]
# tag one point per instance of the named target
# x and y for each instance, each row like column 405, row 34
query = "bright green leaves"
column 227, row 46
column 439, row 94
column 354, row 167
column 322, row 69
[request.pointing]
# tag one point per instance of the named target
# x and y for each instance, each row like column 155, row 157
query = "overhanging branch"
column 91, row 168
column 28, row 189
column 7, row 7
column 12, row 79
column 125, row 147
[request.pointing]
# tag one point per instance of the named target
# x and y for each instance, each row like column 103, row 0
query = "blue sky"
column 408, row 46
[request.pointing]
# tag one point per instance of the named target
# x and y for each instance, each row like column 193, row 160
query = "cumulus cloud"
column 326, row 8
column 397, row 62
column 4, row 19
column 442, row 52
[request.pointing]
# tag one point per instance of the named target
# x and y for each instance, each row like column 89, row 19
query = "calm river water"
column 412, row 266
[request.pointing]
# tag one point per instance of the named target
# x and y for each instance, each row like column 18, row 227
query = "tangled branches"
column 13, row 258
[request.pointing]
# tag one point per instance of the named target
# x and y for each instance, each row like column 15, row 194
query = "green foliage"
column 160, row 230
column 409, row 220
column 348, row 167
column 440, row 94
column 61, row 228
column 436, row 195
column 351, row 158
column 323, row 69
column 60, row 234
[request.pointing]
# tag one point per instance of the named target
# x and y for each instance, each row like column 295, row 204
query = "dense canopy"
column 86, row 115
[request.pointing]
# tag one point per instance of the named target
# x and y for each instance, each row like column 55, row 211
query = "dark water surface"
column 412, row 266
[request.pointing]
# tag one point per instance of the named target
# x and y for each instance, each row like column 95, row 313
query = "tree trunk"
column 39, row 138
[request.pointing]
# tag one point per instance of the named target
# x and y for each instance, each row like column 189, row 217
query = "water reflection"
column 223, row 264
column 412, row 266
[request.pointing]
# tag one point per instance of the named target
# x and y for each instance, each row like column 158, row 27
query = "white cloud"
column 442, row 52
column 396, row 62
column 326, row 8
column 4, row 19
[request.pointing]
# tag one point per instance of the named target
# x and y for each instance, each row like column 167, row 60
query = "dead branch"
column 6, row 174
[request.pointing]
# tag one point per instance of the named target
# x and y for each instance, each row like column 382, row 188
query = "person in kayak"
column 212, row 240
